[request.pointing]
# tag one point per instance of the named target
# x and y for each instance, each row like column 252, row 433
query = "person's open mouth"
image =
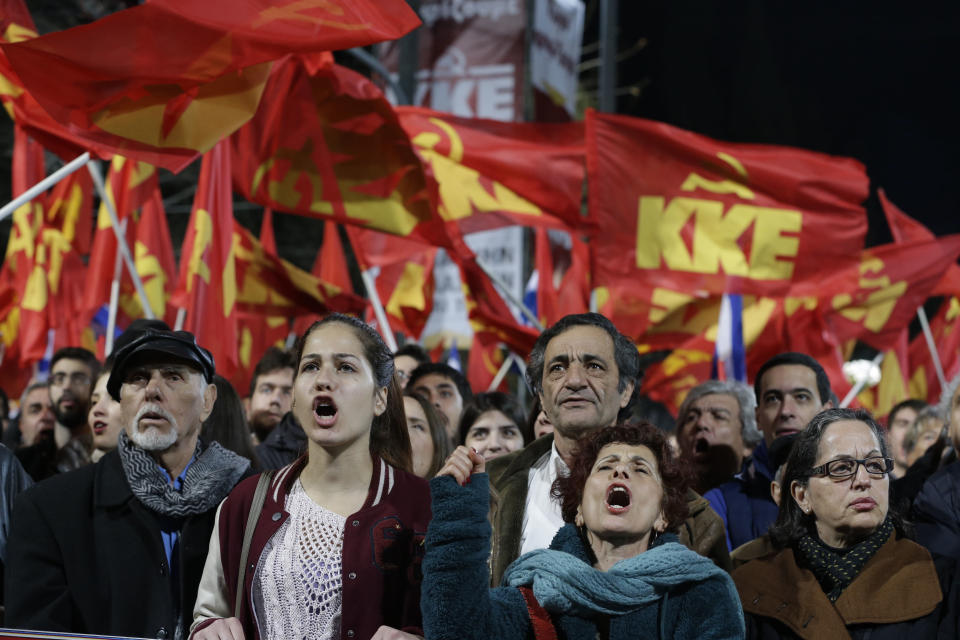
column 325, row 411
column 618, row 498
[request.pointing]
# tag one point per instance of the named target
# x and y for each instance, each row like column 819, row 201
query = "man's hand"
column 463, row 463
column 389, row 633
column 222, row 629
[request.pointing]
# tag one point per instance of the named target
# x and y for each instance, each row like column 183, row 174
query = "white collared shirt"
column 541, row 514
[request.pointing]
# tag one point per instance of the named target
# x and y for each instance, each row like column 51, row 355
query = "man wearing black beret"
column 117, row 548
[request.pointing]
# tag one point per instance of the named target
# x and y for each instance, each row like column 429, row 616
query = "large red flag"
column 906, row 229
column 681, row 211
column 326, row 143
column 492, row 174
column 166, row 80
column 207, row 284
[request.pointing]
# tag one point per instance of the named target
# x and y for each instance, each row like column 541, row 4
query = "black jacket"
column 284, row 444
column 86, row 556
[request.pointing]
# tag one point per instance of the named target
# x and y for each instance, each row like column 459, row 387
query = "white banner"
column 555, row 50
column 500, row 251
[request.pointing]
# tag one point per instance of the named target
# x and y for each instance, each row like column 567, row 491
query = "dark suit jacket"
column 702, row 531
column 84, row 555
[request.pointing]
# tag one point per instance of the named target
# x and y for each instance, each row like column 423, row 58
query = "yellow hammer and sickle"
column 695, row 181
column 202, row 238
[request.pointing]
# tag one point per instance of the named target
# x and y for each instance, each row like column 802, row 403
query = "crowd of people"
column 356, row 493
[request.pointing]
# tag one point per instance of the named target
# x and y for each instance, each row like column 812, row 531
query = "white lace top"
column 297, row 586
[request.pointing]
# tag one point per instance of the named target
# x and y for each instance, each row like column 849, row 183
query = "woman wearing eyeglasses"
column 844, row 567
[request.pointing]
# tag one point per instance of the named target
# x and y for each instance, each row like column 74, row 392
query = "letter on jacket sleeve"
column 36, row 585
column 212, row 595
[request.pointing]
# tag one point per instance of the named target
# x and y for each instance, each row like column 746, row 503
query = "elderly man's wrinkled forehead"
column 147, row 361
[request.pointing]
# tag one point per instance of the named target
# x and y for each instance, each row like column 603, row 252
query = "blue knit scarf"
column 564, row 584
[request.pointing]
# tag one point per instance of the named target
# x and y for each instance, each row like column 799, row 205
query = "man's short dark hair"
column 274, row 359
column 77, row 353
column 909, row 403
column 445, row 370
column 624, row 351
column 413, row 350
column 802, row 359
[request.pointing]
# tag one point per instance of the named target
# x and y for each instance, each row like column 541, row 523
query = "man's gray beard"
column 152, row 439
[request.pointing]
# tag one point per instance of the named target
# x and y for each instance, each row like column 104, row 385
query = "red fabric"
column 682, row 211
column 543, row 628
column 130, row 184
column 486, row 308
column 484, row 362
column 906, row 229
column 879, row 297
column 330, row 266
column 492, row 174
column 207, row 283
column 43, row 272
column 326, row 143
column 945, row 327
column 405, row 282
column 167, row 79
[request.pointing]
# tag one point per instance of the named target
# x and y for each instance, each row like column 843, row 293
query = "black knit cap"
column 178, row 345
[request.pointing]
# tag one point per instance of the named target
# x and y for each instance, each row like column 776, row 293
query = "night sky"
column 876, row 81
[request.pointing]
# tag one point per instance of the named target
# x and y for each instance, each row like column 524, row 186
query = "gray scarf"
column 209, row 479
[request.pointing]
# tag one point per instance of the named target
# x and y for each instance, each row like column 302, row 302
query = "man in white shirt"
column 586, row 374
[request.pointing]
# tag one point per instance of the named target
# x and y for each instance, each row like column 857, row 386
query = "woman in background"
column 491, row 425
column 429, row 443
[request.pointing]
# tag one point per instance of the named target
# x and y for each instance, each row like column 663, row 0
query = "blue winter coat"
column 457, row 604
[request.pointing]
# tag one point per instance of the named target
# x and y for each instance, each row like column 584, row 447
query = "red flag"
column 874, row 301
column 945, row 327
column 563, row 284
column 258, row 332
column 906, row 229
column 271, row 286
column 166, row 80
column 207, row 284
column 326, row 143
column 330, row 265
column 492, row 174
column 892, row 388
column 267, row 238
column 404, row 281
column 484, row 362
column 486, row 309
column 128, row 185
column 681, row 211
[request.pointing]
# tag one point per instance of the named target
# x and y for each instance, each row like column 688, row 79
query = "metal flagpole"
column 114, row 297
column 55, row 177
column 378, row 311
column 502, row 373
column 94, row 169
column 931, row 345
column 181, row 319
column 505, row 291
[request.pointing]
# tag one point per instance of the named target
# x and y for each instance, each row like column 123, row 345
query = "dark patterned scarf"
column 835, row 571
column 208, row 481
